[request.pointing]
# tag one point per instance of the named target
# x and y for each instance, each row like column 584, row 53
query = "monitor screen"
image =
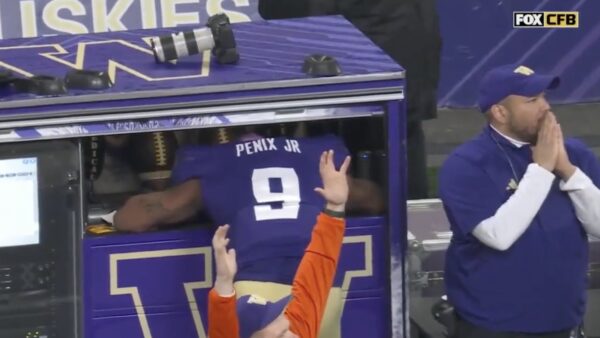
column 19, row 212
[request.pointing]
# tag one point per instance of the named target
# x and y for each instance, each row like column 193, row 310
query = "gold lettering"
column 39, row 55
column 205, row 255
column 148, row 13
column 28, row 19
column 105, row 20
column 54, row 21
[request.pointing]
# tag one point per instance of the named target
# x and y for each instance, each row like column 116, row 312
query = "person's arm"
column 466, row 192
column 586, row 200
column 285, row 9
column 315, row 274
column 475, row 205
column 314, row 277
column 513, row 217
column 146, row 211
column 222, row 315
column 582, row 191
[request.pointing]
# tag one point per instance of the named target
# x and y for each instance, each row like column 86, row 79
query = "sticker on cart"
column 135, row 125
column 250, row 117
column 61, row 131
column 199, row 121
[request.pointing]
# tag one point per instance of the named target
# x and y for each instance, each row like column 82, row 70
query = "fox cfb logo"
column 545, row 19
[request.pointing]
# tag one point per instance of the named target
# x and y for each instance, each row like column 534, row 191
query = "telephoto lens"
column 217, row 36
column 180, row 44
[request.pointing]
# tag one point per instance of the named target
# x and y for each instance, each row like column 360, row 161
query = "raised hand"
column 564, row 168
column 225, row 261
column 335, row 182
column 545, row 152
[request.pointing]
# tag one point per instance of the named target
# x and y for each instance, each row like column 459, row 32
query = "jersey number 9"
column 289, row 195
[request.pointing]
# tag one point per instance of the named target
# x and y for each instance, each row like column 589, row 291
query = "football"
column 152, row 156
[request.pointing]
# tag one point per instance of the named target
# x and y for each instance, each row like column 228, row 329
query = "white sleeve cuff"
column 229, row 295
column 578, row 181
column 540, row 173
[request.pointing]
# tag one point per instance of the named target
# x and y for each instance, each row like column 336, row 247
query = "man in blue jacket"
column 521, row 201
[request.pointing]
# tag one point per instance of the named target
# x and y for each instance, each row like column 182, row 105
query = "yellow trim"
column 21, row 71
column 189, row 287
column 113, row 66
column 189, row 293
column 367, row 240
column 15, row 69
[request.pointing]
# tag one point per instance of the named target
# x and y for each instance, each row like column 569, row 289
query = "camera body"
column 218, row 36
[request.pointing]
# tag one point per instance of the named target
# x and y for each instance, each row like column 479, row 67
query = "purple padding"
column 158, row 279
column 353, row 257
column 366, row 317
column 162, row 325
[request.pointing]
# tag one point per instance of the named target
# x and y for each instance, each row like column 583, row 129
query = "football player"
column 298, row 314
column 263, row 188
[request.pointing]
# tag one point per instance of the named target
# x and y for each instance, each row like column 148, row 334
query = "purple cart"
column 141, row 286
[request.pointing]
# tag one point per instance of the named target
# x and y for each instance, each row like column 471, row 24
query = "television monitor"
column 19, row 205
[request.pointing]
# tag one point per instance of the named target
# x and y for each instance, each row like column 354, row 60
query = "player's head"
column 513, row 97
column 260, row 318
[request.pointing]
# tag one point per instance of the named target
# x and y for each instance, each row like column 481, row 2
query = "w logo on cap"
column 512, row 79
column 524, row 70
column 255, row 313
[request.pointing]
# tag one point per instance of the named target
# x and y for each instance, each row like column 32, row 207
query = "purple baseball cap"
column 502, row 81
column 255, row 313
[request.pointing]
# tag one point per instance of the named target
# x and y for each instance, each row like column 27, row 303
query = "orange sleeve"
column 222, row 316
column 314, row 277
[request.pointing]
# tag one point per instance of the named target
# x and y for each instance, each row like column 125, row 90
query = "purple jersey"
column 264, row 189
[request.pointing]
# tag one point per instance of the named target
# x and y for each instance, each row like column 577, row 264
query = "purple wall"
column 478, row 34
